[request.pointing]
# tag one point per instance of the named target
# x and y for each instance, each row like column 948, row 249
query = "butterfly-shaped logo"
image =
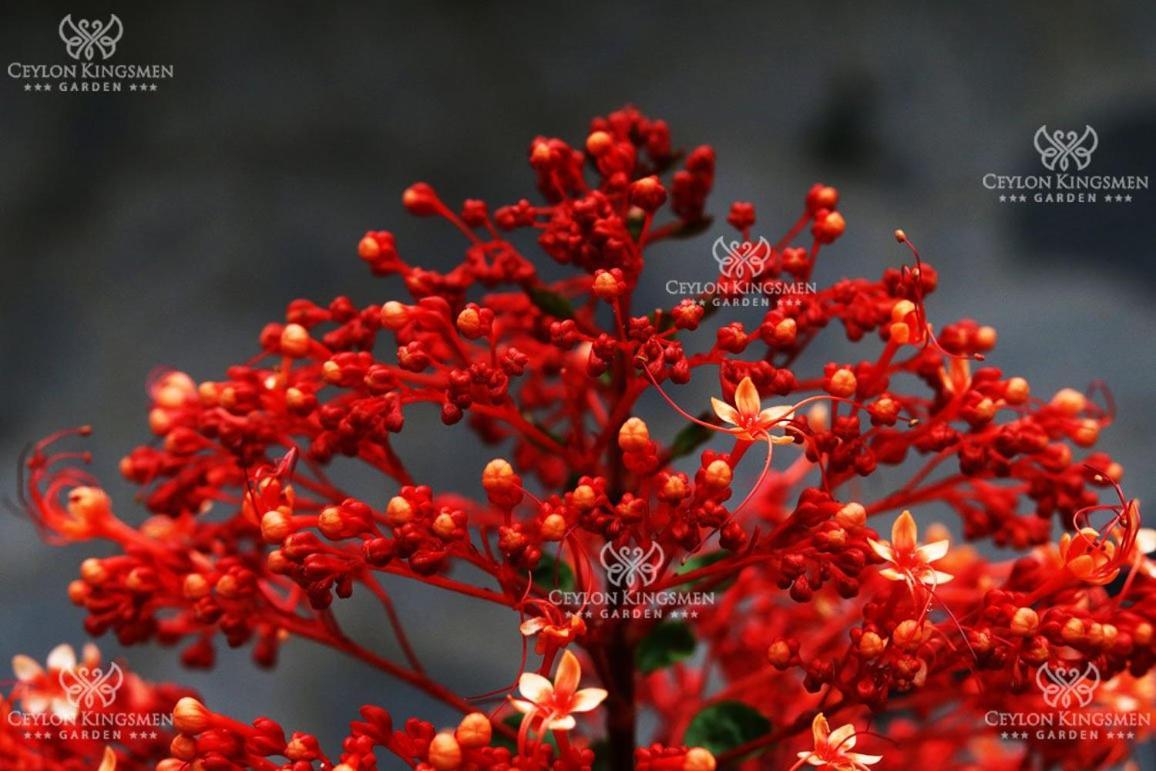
column 83, row 39
column 1064, row 687
column 626, row 564
column 1061, row 150
column 85, row 686
column 737, row 259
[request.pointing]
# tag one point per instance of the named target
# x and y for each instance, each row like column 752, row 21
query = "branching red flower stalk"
column 746, row 620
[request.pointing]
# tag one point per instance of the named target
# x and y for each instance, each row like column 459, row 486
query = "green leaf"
column 553, row 574
column 724, row 726
column 634, row 226
column 514, row 721
column 703, row 560
column 551, row 302
column 691, row 436
column 667, row 643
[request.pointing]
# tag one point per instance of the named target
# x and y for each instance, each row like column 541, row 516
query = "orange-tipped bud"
column 553, row 527
column 275, row 526
column 398, row 511
column 445, row 754
column 584, row 497
column 1069, row 401
column 1025, row 622
column 718, row 474
column 871, row 645
column 295, row 340
column 698, row 759
column 634, row 436
column 842, row 383
column 394, row 315
column 598, row 143
column 190, row 716
column 474, row 731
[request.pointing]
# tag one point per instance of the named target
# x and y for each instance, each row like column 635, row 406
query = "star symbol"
column 132, row 87
column 694, row 614
column 27, row 86
column 153, row 87
column 589, row 614
column 1128, row 198
column 37, row 86
column 1023, row 199
column 1003, row 199
column 27, row 734
column 153, row 735
column 132, row 735
column 1003, row 735
column 1131, row 734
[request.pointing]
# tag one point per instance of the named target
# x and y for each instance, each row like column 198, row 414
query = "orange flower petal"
column 535, row 687
column 726, row 413
column 587, row 699
column 904, row 533
column 567, row 676
column 747, row 398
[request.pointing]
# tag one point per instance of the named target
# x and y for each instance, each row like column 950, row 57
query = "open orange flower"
column 1089, row 557
column 40, row 689
column 833, row 748
column 553, row 635
column 554, row 704
column 750, row 421
column 908, row 561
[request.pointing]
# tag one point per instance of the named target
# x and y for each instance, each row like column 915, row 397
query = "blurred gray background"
column 166, row 228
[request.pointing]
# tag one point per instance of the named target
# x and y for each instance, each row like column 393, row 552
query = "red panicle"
column 778, row 563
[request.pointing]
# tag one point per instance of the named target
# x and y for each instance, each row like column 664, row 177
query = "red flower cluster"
column 742, row 619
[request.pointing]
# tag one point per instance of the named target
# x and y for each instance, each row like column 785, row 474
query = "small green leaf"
column 724, row 726
column 702, row 561
column 667, row 643
column 634, row 226
column 553, row 574
column 691, row 436
column 551, row 302
column 514, row 721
